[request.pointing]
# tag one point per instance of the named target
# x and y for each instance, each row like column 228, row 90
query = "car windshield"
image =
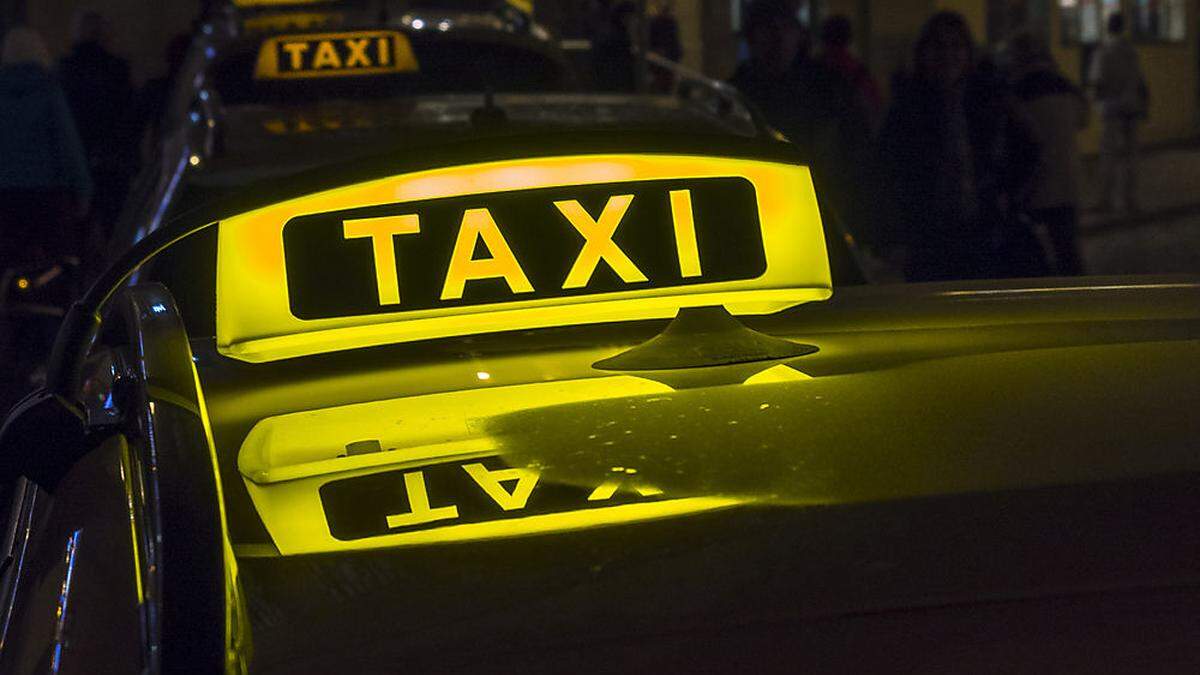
column 261, row 140
column 444, row 81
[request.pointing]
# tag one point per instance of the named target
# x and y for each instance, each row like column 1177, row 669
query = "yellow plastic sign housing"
column 327, row 55
column 515, row 245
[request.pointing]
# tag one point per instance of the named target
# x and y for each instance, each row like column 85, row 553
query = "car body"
column 612, row 411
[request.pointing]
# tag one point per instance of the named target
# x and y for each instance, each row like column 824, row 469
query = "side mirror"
column 46, row 433
column 42, row 438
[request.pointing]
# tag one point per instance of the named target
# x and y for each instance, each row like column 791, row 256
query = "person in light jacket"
column 1120, row 90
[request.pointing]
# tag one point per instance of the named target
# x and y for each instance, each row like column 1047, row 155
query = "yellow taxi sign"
column 515, row 245
column 321, row 55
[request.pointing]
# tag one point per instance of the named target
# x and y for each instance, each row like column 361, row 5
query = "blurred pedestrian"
column 955, row 161
column 1055, row 111
column 1120, row 90
column 664, row 40
column 837, row 34
column 614, row 65
column 155, row 95
column 44, row 181
column 598, row 20
column 100, row 91
column 810, row 104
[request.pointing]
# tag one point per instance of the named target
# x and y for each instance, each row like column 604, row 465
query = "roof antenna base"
column 490, row 116
column 703, row 337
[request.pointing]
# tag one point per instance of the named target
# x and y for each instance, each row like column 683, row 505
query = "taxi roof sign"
column 517, row 244
column 339, row 54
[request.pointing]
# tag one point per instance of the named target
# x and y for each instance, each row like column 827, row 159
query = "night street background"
column 712, row 37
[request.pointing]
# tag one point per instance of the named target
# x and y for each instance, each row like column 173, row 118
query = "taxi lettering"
column 509, row 499
column 418, row 499
column 478, row 228
column 464, row 492
column 490, row 481
column 317, row 55
column 522, row 246
column 334, row 54
column 380, row 231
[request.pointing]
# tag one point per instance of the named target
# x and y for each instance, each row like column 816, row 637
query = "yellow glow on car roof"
column 436, row 426
column 256, row 323
column 285, row 460
column 308, row 533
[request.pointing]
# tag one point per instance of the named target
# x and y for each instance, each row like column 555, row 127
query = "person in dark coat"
column 155, row 96
column 664, row 40
column 836, row 36
column 100, row 91
column 614, row 65
column 1055, row 111
column 955, row 160
column 44, row 181
column 810, row 104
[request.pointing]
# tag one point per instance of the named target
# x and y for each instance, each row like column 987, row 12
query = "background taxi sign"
column 320, row 55
column 514, row 245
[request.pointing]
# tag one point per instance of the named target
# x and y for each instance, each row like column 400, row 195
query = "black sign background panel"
column 331, row 276
column 356, row 508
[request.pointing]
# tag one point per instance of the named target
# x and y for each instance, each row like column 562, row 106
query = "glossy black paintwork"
column 141, row 517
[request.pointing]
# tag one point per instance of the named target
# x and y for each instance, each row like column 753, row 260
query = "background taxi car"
column 584, row 395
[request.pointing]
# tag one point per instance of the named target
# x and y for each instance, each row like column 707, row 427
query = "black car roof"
column 263, row 140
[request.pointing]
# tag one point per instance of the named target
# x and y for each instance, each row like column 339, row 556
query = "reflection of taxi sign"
column 458, row 492
column 514, row 245
column 350, row 478
column 334, row 54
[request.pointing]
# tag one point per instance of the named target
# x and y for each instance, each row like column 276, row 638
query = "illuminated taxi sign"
column 515, row 245
column 320, row 55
